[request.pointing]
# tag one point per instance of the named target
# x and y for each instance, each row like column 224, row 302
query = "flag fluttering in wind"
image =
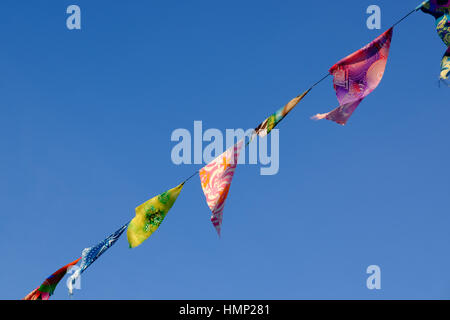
column 149, row 216
column 267, row 125
column 48, row 287
column 358, row 75
column 216, row 180
column 89, row 255
column 445, row 65
column 440, row 10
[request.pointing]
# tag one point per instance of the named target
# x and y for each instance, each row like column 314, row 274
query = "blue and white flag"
column 89, row 255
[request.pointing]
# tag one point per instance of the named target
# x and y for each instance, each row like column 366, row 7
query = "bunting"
column 89, row 255
column 216, row 180
column 440, row 10
column 356, row 76
column 48, row 287
column 149, row 216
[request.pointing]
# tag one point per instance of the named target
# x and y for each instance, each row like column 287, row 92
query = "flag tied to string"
column 356, row 76
column 89, row 255
column 267, row 125
column 440, row 10
column 216, row 179
column 445, row 66
column 48, row 287
column 149, row 216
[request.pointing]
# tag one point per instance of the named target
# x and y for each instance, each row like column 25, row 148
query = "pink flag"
column 358, row 75
column 216, row 180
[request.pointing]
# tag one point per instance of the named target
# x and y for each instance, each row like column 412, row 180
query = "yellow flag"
column 149, row 216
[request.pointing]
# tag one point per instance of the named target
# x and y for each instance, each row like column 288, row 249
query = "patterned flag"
column 445, row 65
column 89, row 255
column 440, row 10
column 358, row 75
column 149, row 216
column 48, row 287
column 267, row 125
column 216, row 180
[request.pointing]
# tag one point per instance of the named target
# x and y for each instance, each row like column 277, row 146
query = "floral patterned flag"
column 48, row 287
column 216, row 180
column 267, row 125
column 440, row 10
column 358, row 75
column 89, row 255
column 149, row 216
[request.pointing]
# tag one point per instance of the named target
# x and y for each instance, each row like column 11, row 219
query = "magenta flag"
column 358, row 75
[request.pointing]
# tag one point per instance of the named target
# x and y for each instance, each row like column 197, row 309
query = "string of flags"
column 354, row 78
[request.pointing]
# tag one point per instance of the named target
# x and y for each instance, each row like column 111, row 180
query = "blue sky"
column 85, row 137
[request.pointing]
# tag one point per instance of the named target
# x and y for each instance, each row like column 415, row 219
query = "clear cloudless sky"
column 86, row 119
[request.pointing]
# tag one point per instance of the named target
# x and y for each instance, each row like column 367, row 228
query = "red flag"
column 49, row 285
